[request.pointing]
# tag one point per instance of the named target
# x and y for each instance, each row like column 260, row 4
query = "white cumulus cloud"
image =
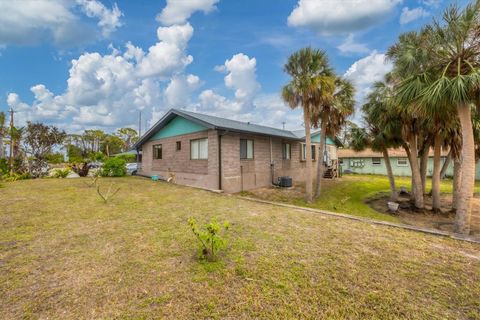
column 109, row 19
column 330, row 17
column 58, row 21
column 350, row 46
column 179, row 11
column 409, row 15
column 242, row 76
column 178, row 92
column 167, row 56
column 366, row 71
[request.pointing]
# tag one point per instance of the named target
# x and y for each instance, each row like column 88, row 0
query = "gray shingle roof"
column 213, row 122
column 234, row 125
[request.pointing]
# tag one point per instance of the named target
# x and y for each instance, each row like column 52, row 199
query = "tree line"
column 35, row 145
column 430, row 100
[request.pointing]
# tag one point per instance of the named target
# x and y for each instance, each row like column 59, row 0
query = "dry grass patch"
column 65, row 254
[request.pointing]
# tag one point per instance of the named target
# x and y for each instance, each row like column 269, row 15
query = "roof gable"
column 316, row 139
column 177, row 126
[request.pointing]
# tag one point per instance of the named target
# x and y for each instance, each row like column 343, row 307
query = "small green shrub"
column 210, row 239
column 3, row 166
column 114, row 167
column 61, row 173
column 16, row 176
column 98, row 156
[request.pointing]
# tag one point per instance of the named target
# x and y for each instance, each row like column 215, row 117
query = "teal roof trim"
column 176, row 127
column 316, row 139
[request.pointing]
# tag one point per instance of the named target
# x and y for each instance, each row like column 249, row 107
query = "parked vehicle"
column 95, row 165
column 132, row 168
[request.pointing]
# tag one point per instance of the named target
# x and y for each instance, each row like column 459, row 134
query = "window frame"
column 178, row 145
column 246, row 151
column 286, row 155
column 303, row 150
column 192, row 142
column 156, row 147
column 402, row 165
column 378, row 163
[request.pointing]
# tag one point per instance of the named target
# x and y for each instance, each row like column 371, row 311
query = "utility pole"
column 11, row 140
column 283, row 123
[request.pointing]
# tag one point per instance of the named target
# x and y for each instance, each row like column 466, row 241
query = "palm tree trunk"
column 308, row 155
column 424, row 166
column 391, row 178
column 457, row 180
column 436, row 173
column 416, row 176
column 412, row 182
column 464, row 201
column 446, row 164
column 320, row 165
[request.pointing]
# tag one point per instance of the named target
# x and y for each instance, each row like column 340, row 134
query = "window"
column 402, row 162
column 304, row 153
column 157, row 151
column 179, row 145
column 341, row 161
column 376, row 161
column 199, row 149
column 286, row 151
column 246, row 149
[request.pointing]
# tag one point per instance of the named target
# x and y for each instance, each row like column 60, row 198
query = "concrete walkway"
column 367, row 220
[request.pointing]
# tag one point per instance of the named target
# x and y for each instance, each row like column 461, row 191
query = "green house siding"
column 366, row 166
column 316, row 139
column 176, row 127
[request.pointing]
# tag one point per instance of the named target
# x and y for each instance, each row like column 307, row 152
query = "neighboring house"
column 370, row 162
column 216, row 153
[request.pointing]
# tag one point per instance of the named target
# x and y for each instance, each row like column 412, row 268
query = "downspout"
column 272, row 165
column 219, row 160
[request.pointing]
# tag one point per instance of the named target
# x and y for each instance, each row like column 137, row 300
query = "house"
column 215, row 153
column 371, row 162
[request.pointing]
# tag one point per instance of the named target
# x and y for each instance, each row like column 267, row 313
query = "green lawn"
column 348, row 194
column 66, row 255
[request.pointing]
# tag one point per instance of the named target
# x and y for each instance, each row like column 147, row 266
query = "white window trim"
column 303, row 152
column 197, row 141
column 249, row 142
column 402, row 165
column 286, row 152
column 379, row 161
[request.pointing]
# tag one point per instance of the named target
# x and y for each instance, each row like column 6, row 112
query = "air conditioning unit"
column 285, row 182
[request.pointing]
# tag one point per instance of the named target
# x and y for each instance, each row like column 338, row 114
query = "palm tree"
column 382, row 131
column 411, row 57
column 307, row 69
column 331, row 110
column 454, row 81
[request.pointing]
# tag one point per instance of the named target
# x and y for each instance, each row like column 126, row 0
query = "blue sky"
column 66, row 62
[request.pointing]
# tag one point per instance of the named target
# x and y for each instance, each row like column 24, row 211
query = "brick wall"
column 237, row 174
column 198, row 173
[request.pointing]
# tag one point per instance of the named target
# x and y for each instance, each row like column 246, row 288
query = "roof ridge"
column 242, row 122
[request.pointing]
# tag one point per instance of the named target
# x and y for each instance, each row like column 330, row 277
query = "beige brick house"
column 221, row 154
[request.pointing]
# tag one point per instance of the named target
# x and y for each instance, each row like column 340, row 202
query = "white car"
column 132, row 168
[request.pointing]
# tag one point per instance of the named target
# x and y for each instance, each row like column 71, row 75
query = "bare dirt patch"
column 444, row 220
